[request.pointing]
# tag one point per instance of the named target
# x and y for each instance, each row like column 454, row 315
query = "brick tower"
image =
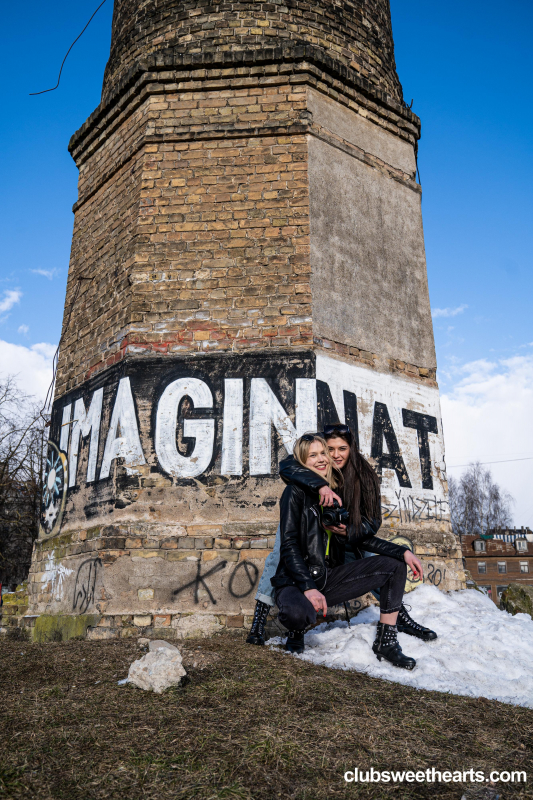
column 247, row 261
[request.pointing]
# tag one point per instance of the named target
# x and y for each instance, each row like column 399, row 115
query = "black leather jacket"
column 303, row 540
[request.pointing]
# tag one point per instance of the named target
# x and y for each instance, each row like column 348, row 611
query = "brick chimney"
column 247, row 262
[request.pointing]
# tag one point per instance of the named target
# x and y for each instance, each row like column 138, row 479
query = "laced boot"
column 295, row 642
column 406, row 624
column 386, row 646
column 257, row 631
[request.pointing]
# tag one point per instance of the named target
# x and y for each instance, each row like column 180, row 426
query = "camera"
column 335, row 515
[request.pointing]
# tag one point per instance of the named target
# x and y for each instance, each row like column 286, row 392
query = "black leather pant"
column 345, row 583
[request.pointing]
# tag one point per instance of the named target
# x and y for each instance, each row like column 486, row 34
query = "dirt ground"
column 249, row 722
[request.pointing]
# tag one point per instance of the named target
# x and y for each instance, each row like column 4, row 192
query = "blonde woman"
column 312, row 574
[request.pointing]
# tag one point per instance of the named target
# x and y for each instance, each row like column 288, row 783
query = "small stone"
column 159, row 669
column 142, row 641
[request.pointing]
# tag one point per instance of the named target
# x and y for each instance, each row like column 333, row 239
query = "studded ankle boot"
column 406, row 624
column 386, row 646
column 295, row 642
column 257, row 631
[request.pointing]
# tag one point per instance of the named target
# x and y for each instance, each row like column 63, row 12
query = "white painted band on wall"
column 397, row 420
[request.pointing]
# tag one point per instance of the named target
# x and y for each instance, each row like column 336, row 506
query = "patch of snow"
column 481, row 651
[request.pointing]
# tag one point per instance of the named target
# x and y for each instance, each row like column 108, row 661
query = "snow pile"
column 481, row 651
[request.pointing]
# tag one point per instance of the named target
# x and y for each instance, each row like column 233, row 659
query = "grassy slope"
column 249, row 723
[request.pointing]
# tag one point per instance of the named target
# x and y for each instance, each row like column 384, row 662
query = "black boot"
column 407, row 625
column 386, row 646
column 257, row 631
column 295, row 642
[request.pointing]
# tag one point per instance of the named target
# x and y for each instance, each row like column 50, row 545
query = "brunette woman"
column 312, row 574
column 361, row 497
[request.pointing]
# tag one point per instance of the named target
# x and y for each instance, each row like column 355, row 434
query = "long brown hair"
column 362, row 495
column 301, row 453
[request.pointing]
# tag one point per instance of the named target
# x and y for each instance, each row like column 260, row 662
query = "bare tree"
column 22, row 440
column 477, row 504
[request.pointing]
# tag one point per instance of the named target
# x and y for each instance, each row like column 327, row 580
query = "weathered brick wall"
column 98, row 301
column 191, row 245
column 352, row 34
column 189, row 208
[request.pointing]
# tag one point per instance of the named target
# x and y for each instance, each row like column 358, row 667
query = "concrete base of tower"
column 131, row 580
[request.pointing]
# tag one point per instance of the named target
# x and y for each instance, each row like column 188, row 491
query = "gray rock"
column 159, row 669
column 518, row 599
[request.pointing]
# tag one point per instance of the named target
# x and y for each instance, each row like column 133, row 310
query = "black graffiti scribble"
column 411, row 509
column 200, row 579
column 434, row 575
column 85, row 585
column 248, row 569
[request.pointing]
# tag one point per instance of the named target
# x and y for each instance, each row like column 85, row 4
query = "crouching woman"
column 312, row 574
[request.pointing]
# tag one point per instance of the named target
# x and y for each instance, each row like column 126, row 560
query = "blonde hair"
column 301, row 454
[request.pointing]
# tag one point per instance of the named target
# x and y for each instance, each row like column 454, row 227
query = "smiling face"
column 317, row 458
column 339, row 450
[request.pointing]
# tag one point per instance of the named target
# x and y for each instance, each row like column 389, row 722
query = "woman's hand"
column 413, row 562
column 317, row 599
column 340, row 529
column 328, row 496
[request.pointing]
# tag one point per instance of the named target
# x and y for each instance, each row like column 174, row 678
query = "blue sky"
column 467, row 67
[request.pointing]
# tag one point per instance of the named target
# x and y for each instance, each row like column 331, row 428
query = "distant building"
column 498, row 559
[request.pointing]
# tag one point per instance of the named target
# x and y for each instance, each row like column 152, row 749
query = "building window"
column 481, row 567
column 486, row 590
column 480, row 546
column 502, row 567
column 500, row 590
column 524, row 566
column 521, row 544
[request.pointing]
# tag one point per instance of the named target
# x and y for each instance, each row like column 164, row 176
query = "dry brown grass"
column 249, row 723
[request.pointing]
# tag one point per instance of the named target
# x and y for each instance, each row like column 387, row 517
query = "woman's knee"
column 296, row 613
column 401, row 570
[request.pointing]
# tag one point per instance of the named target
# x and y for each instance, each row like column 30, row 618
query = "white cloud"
column 24, row 329
column 46, row 273
column 11, row 297
column 31, row 366
column 487, row 417
column 448, row 312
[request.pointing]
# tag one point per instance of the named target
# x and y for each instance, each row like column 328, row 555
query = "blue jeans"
column 265, row 590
